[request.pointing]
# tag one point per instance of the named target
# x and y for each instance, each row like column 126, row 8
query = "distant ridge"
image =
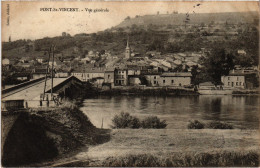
column 195, row 18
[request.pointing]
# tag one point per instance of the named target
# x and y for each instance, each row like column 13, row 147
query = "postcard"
column 130, row 84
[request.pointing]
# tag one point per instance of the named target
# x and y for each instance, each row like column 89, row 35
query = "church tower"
column 127, row 50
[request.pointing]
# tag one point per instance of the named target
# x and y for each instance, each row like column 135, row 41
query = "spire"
column 127, row 43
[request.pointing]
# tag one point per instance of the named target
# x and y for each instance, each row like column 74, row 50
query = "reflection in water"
column 241, row 111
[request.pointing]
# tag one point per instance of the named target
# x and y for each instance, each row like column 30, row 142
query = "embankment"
column 148, row 91
column 44, row 135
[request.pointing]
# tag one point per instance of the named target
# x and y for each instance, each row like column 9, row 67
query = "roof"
column 176, row 74
column 206, row 84
column 39, row 70
column 21, row 74
column 240, row 72
column 89, row 70
column 110, row 69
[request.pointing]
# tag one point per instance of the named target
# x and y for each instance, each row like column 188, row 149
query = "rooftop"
column 177, row 74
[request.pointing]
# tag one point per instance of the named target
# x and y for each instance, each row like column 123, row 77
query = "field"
column 192, row 147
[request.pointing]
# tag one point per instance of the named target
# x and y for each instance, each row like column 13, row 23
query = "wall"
column 174, row 81
column 109, row 77
column 238, row 81
column 153, row 80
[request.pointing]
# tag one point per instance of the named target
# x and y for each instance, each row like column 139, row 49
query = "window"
column 240, row 83
column 237, row 78
column 154, row 82
column 163, row 81
column 172, row 81
column 154, row 77
column 108, row 76
column 237, row 83
column 228, row 83
column 228, row 78
column 88, row 75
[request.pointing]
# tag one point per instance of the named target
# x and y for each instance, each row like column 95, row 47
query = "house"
column 86, row 60
column 241, row 79
column 24, row 65
column 41, row 59
column 56, row 63
column 134, row 80
column 5, row 61
column 121, row 76
column 24, row 60
column 97, row 82
column 61, row 74
column 241, row 52
column 152, row 79
column 22, row 76
column 109, row 76
column 88, row 73
column 39, row 73
column 206, row 85
column 133, row 70
column 175, row 79
column 67, row 60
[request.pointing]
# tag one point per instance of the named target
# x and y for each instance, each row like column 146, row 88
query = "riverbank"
column 147, row 91
column 171, row 144
column 48, row 134
column 166, row 91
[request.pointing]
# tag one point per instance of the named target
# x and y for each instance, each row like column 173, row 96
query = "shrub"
column 219, row 125
column 125, row 120
column 153, row 122
column 195, row 125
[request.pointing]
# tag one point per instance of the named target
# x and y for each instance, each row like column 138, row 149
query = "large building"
column 121, row 77
column 88, row 74
column 240, row 79
column 175, row 79
column 169, row 79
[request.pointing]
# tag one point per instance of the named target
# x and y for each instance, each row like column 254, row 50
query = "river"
column 240, row 111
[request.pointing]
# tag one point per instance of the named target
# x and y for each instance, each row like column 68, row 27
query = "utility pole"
column 47, row 68
column 52, row 72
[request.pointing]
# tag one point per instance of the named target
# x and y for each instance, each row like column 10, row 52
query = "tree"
column 127, row 18
column 219, row 62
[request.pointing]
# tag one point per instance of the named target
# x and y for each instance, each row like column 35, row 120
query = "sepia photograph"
column 130, row 84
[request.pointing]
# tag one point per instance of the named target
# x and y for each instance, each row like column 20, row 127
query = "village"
column 153, row 70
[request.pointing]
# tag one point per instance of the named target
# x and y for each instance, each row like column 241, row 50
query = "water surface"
column 240, row 111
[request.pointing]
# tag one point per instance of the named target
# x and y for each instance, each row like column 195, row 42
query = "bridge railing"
column 21, row 85
column 8, row 105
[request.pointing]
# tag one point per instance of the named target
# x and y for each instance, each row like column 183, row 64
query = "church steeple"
column 127, row 49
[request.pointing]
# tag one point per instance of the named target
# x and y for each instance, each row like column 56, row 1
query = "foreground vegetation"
column 125, row 120
column 192, row 159
column 212, row 125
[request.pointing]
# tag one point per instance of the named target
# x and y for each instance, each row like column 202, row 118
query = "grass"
column 175, row 160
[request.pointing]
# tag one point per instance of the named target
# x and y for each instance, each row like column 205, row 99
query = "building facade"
column 121, row 76
column 175, row 79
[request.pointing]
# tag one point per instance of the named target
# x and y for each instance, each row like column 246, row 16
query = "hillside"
column 195, row 18
column 162, row 33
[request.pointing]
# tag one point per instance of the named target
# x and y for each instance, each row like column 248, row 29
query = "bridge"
column 29, row 94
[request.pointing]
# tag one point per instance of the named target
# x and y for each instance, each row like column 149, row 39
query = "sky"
column 27, row 21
